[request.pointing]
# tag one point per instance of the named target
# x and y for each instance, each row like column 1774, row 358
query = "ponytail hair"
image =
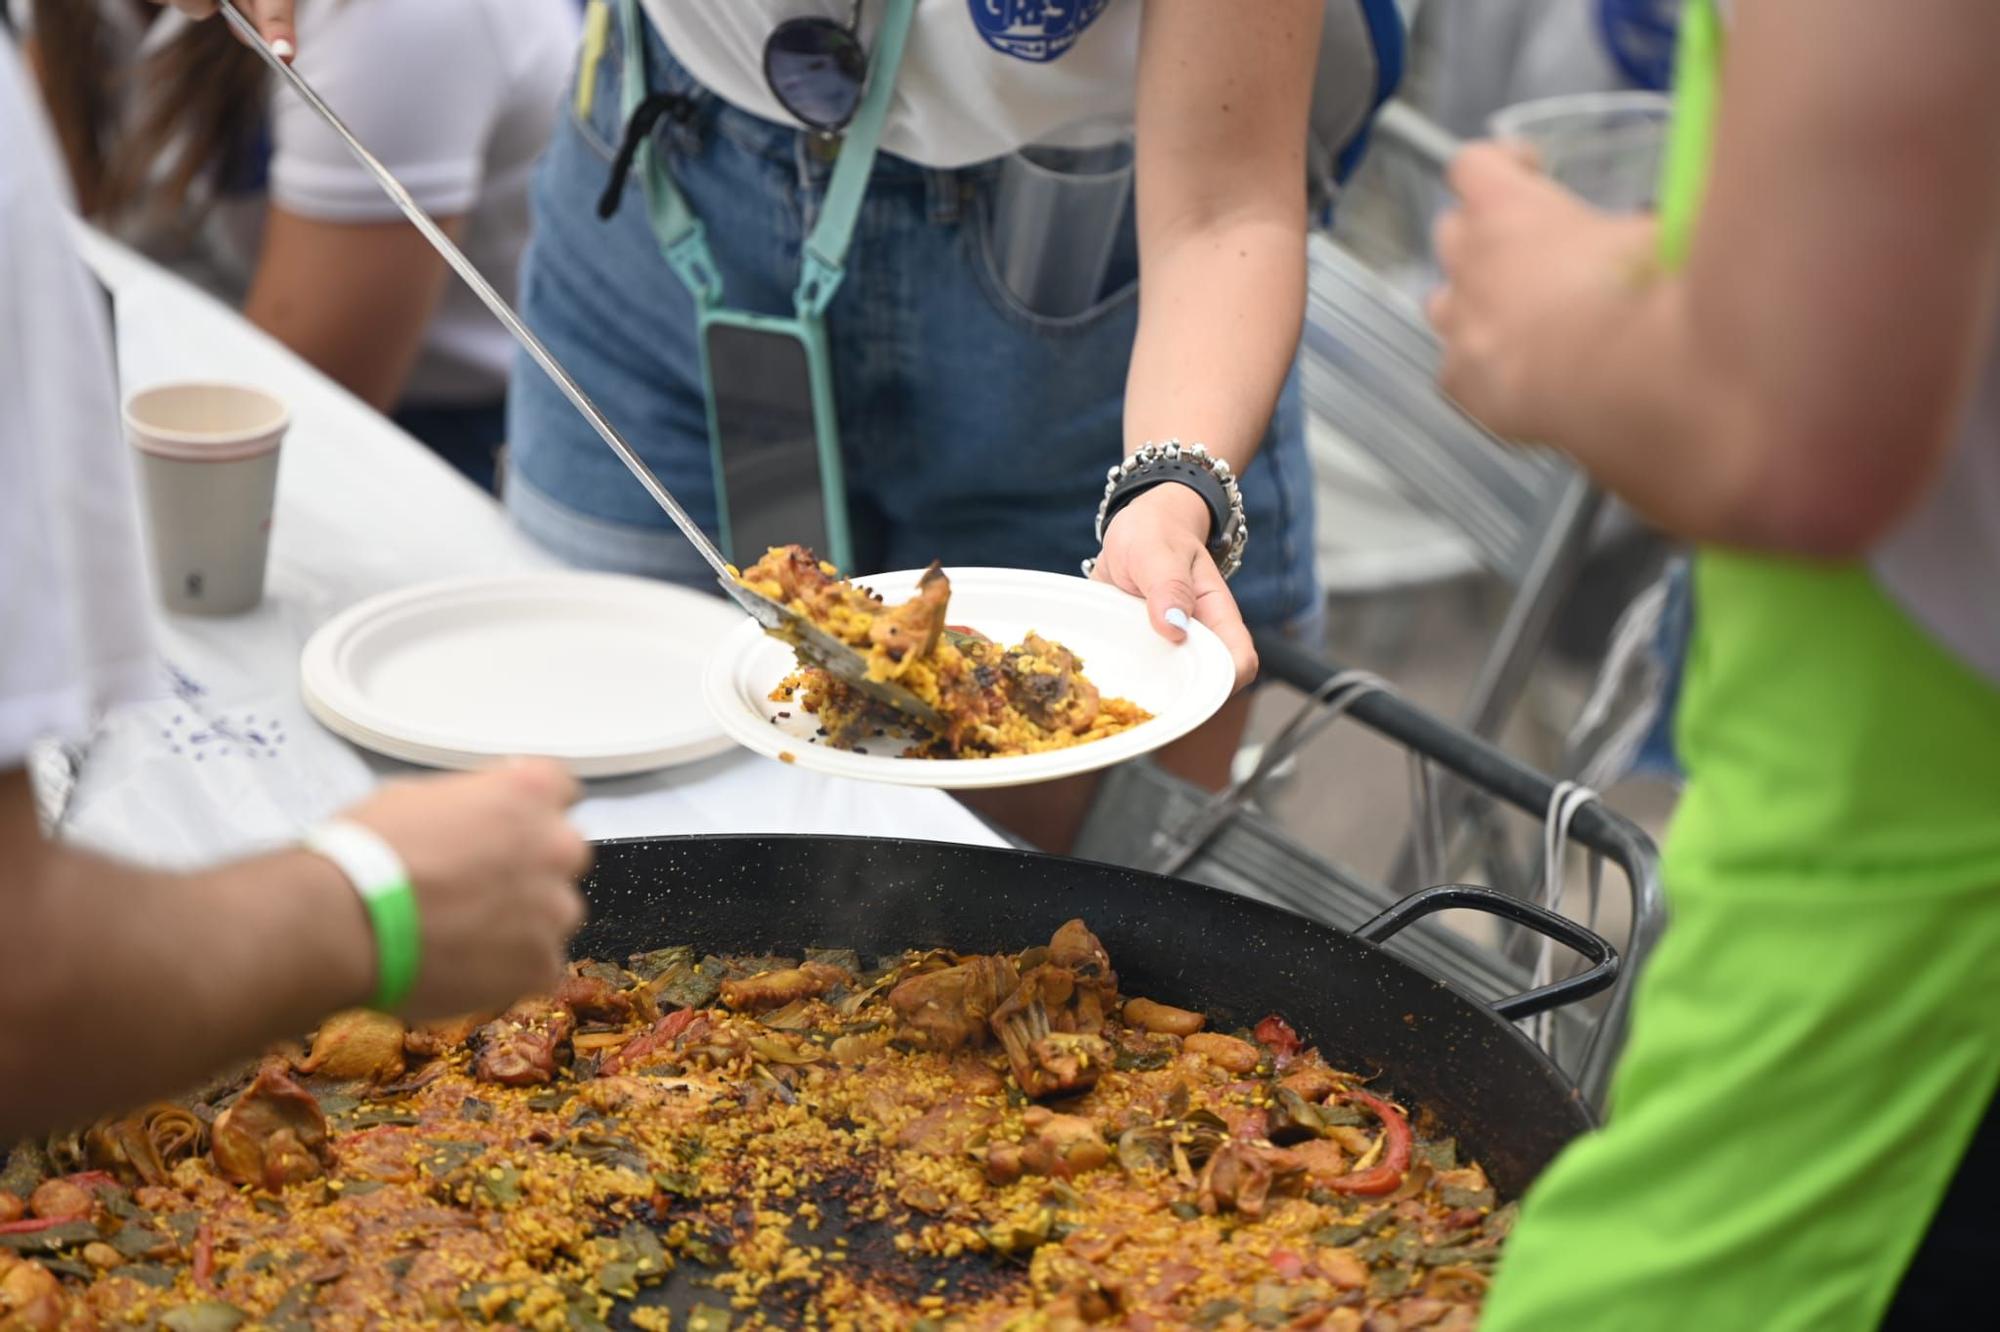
column 203, row 99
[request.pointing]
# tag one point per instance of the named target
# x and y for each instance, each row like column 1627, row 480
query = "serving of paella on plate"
column 936, row 1141
column 996, row 700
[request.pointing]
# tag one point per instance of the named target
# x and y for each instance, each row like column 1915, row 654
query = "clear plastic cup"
column 1056, row 217
column 1605, row 147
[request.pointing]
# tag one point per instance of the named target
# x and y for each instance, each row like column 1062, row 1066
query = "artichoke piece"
column 141, row 1241
column 1213, row 1313
column 1147, row 1147
column 1142, row 1061
column 650, row 966
column 1293, row 1119
column 845, row 958
column 795, row 1016
column 499, row 1185
column 688, row 985
column 51, row 1239
column 1439, row 1155
column 27, row 1166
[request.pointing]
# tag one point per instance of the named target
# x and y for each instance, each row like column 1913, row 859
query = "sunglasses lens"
column 816, row 69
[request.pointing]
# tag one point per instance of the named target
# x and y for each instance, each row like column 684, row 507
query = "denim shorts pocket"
column 984, row 257
column 601, row 124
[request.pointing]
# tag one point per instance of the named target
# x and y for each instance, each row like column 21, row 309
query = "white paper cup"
column 208, row 468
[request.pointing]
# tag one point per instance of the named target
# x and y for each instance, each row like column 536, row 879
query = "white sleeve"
column 74, row 624
column 420, row 82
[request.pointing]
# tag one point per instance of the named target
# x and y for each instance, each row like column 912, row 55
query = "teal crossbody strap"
column 825, row 258
column 682, row 238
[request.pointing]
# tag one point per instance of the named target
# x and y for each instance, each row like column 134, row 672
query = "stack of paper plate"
column 599, row 671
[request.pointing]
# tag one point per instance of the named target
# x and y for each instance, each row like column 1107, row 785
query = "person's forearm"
column 93, row 1019
column 1648, row 399
column 1621, row 403
column 1219, row 316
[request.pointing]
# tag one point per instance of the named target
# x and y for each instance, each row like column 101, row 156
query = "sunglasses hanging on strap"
column 774, row 438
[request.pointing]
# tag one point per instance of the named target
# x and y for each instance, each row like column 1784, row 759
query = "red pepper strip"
column 34, row 1223
column 204, row 1258
column 1288, row 1265
column 1277, row 1034
column 664, row 1031
column 1387, row 1175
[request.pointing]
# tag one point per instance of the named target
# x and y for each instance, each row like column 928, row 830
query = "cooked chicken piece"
column 775, row 989
column 593, row 999
column 1343, row 1267
column 911, row 630
column 1079, row 952
column 1311, row 1084
column 431, row 1039
column 790, row 573
column 1045, row 681
column 11, row 1207
column 951, row 1008
column 272, row 1135
column 975, row 1076
column 1162, row 1019
column 359, row 1045
column 523, row 1046
column 944, row 1130
column 1061, row 1146
column 1322, row 1158
column 1061, row 1064
column 31, row 1299
column 1241, row 1177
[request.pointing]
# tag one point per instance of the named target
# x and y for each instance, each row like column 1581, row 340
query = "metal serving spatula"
column 781, row 622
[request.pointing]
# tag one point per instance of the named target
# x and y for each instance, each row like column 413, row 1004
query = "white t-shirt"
column 1943, row 563
column 457, row 97
column 980, row 78
column 73, row 620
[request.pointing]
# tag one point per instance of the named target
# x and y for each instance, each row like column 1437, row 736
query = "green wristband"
column 378, row 876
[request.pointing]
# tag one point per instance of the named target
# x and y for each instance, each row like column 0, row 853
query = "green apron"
column 1818, row 1035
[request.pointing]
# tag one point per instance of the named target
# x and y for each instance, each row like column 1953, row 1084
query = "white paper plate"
column 600, row 671
column 1181, row 684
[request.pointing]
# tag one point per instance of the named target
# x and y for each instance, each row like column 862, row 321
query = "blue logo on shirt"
column 1037, row 30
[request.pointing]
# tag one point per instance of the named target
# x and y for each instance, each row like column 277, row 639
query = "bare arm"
column 352, row 298
column 1796, row 387
column 1222, row 111
column 118, row 984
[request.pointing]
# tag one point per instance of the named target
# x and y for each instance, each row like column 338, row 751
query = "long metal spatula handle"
column 484, row 290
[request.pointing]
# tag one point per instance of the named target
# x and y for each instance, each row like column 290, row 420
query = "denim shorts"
column 972, row 430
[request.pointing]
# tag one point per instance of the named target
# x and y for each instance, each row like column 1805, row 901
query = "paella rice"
column 995, row 700
column 939, row 1142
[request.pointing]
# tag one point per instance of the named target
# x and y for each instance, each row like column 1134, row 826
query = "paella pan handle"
column 1461, row 897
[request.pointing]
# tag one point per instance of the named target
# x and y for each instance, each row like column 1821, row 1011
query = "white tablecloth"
column 229, row 760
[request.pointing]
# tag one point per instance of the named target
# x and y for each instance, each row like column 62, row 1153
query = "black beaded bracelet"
column 1192, row 466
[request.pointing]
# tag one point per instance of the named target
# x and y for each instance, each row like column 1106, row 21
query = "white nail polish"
column 1177, row 618
column 283, row 49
